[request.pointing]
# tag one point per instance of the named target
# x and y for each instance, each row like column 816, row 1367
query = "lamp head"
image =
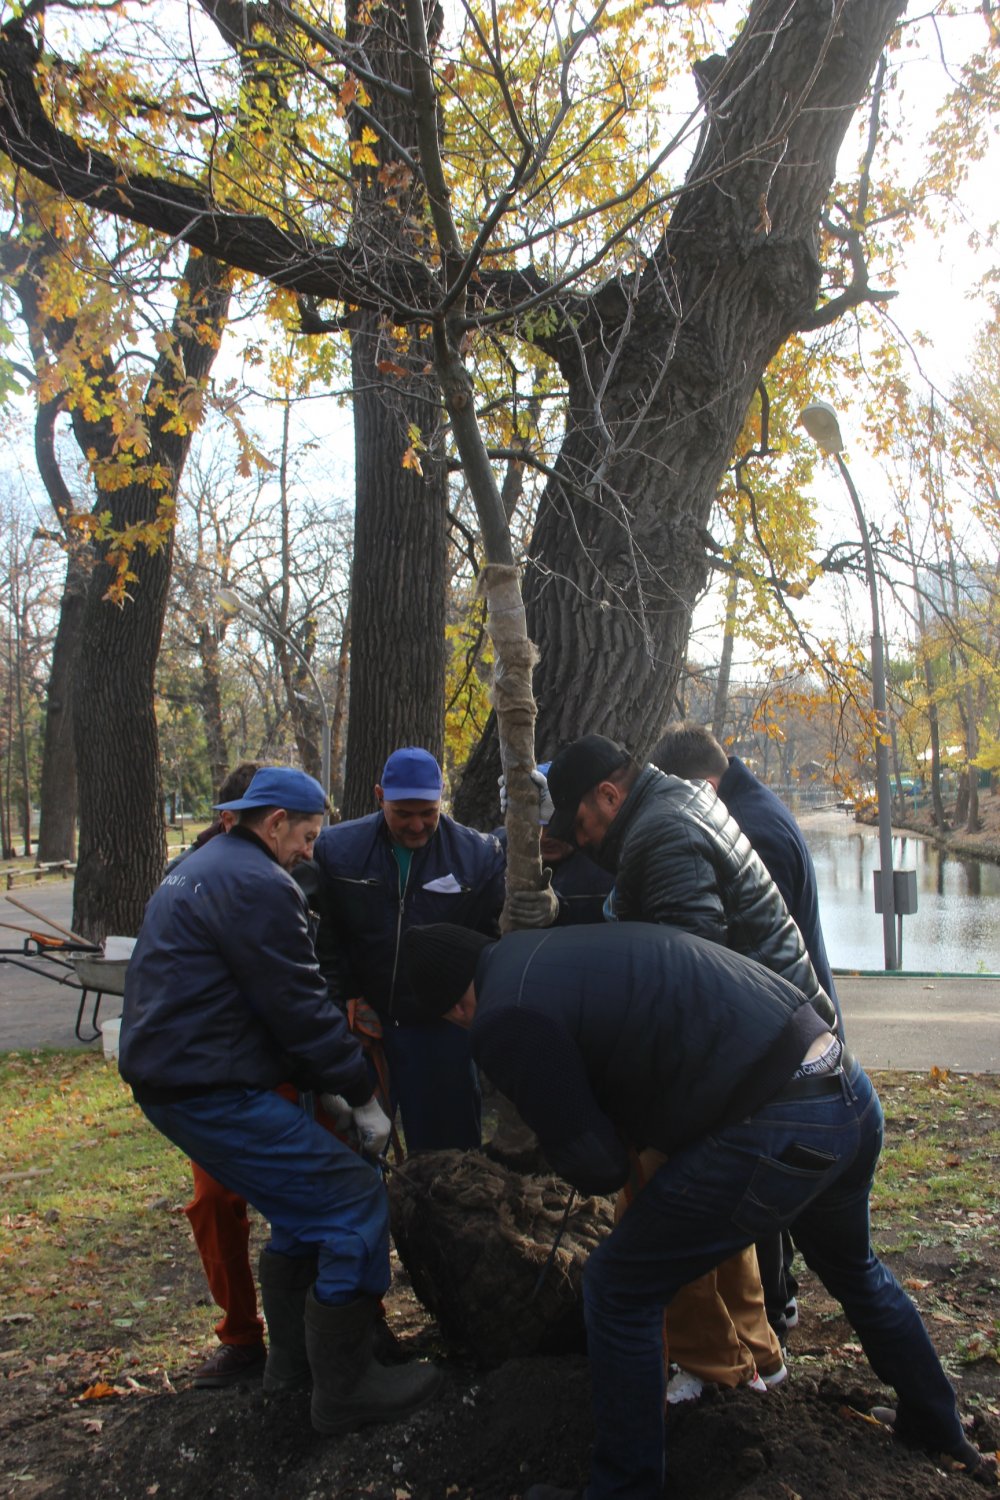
column 229, row 602
column 819, row 419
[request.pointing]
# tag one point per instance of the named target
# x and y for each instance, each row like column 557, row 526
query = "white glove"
column 545, row 804
column 373, row 1126
column 339, row 1111
column 534, row 908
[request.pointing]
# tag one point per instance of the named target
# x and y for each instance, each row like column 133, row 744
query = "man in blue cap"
column 224, row 1000
column 407, row 864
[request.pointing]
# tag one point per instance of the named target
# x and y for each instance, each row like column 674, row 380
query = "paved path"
column 912, row 1022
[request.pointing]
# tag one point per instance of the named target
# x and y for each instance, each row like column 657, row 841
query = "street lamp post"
column 232, row 604
column 820, row 421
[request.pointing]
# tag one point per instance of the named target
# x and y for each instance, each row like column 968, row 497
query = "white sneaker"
column 756, row 1383
column 684, row 1386
column 792, row 1314
column 775, row 1379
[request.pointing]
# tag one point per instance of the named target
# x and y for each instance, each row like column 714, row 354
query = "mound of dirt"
column 489, row 1436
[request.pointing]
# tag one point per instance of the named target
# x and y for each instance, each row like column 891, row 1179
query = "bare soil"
column 492, row 1433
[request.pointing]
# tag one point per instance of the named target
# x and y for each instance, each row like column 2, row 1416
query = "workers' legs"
column 701, row 1335
column 221, row 1231
column 317, row 1194
column 808, row 1162
column 833, row 1236
column 739, row 1286
column 436, row 1086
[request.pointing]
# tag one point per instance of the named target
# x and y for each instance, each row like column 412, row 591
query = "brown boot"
column 284, row 1282
column 350, row 1388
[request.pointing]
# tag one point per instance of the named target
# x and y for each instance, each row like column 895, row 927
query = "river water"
column 956, row 928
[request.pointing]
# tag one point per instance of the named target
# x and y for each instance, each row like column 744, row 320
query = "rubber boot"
column 284, row 1282
column 350, row 1388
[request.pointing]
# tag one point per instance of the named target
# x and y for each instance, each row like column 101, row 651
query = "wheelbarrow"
column 67, row 959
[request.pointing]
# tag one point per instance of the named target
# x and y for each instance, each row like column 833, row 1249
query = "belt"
column 817, row 1086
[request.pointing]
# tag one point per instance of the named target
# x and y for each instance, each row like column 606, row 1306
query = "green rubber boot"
column 284, row 1282
column 350, row 1388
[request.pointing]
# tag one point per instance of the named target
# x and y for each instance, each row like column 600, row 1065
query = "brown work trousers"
column 716, row 1327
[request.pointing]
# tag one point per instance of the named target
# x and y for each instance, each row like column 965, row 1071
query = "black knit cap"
column 441, row 960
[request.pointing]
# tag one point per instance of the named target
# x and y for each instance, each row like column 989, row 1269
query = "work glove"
column 373, row 1126
column 339, row 1111
column 534, row 908
column 367, row 1122
column 545, row 804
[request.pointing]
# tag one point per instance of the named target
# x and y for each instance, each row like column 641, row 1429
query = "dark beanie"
column 441, row 960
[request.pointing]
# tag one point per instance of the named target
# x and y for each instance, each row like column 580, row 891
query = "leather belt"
column 816, row 1087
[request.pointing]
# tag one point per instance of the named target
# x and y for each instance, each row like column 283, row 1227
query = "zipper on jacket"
column 399, row 924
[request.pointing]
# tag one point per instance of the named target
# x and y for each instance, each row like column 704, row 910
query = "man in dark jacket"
column 223, row 1001
column 692, row 751
column 679, row 857
column 646, row 1037
column 373, row 877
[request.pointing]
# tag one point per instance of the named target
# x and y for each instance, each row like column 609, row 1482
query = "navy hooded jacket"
column 630, row 1034
column 223, row 989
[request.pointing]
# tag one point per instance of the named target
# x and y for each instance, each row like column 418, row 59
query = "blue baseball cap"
column 280, row 786
column 411, row 774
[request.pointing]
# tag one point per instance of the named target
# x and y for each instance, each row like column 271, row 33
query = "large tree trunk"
column 618, row 556
column 122, row 843
column 58, row 798
column 398, row 571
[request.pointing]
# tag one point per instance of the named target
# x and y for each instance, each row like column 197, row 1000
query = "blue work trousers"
column 318, row 1195
column 807, row 1162
column 435, row 1084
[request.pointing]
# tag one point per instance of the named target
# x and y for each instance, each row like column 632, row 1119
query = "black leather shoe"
column 979, row 1465
column 230, row 1365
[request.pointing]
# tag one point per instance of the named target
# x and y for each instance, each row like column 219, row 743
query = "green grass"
column 96, row 1256
column 98, row 1271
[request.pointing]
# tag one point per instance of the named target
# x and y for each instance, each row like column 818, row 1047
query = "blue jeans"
column 317, row 1194
column 807, row 1162
column 435, row 1084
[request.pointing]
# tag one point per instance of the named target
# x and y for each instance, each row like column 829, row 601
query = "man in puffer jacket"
column 679, row 858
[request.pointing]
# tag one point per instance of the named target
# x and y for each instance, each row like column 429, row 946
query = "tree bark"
column 122, row 843
column 58, row 795
column 618, row 556
column 398, row 571
column 398, row 579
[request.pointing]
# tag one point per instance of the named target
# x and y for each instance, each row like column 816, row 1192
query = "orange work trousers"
column 221, row 1229
column 716, row 1327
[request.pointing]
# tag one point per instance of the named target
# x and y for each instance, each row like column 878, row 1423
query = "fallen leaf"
column 98, row 1391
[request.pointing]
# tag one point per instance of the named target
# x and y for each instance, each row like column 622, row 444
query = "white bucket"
column 110, row 1032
